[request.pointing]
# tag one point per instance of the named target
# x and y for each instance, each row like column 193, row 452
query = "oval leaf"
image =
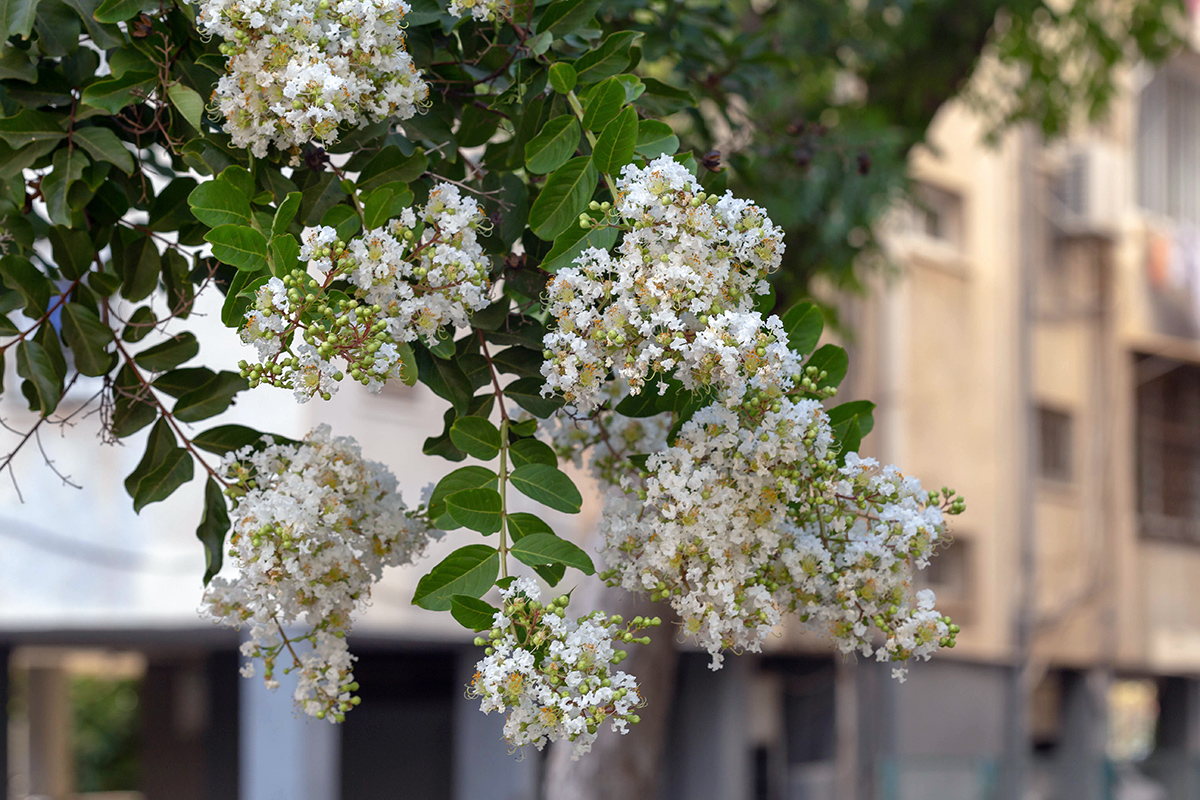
column 468, row 571
column 476, row 436
column 551, row 148
column 547, row 485
column 477, row 509
column 546, row 548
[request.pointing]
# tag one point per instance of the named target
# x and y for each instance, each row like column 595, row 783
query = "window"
column 1054, row 444
column 934, row 213
column 1168, row 146
column 1168, row 439
column 949, row 575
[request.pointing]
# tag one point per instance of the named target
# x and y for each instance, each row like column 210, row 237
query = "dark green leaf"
column 226, row 438
column 16, row 17
column 103, row 145
column 285, row 253
column 527, row 393
column 547, row 485
column 159, row 445
column 602, row 104
column 610, row 58
column 210, row 399
column 88, row 339
column 655, row 139
column 519, row 361
column 120, row 10
column 476, row 436
column 472, row 477
column 169, row 354
column 565, row 16
column 378, row 208
column 239, row 246
column 217, row 203
column 562, row 77
column 73, row 251
column 472, row 613
column 546, row 548
column 564, row 197
column 285, row 213
column 477, row 509
column 553, row 146
column 68, row 168
column 521, row 525
column 614, row 148
column 30, row 126
column 803, row 324
column 140, row 323
column 532, row 451
column 19, row 274
column 36, row 366
column 175, row 470
column 851, row 422
column 831, row 360
column 468, row 571
column 114, row 94
column 445, row 378
column 132, row 411
column 187, row 102
column 179, row 382
column 214, row 525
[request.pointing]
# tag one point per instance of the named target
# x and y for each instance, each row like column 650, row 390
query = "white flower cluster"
column 413, row 278
column 300, row 69
column 482, row 10
column 747, row 517
column 554, row 677
column 313, row 526
column 676, row 298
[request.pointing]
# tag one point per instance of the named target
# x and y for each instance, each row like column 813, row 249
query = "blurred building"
column 1036, row 346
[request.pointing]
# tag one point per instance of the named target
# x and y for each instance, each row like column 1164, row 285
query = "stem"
column 591, row 137
column 504, row 498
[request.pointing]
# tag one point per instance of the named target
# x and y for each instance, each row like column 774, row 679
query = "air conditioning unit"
column 1091, row 190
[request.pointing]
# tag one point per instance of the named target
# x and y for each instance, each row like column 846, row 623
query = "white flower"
column 313, row 526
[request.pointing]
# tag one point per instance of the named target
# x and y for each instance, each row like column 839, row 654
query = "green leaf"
column 472, row 613
column 343, row 220
column 468, row 571
column 408, row 364
column 217, row 203
column 159, row 445
column 476, row 436
column 547, row 485
column 18, row 17
column 614, row 148
column 30, row 126
column 188, row 103
column 131, row 410
column 103, row 145
column 119, row 10
column 114, row 94
column 803, row 324
column 285, row 253
column 19, row 274
column 851, row 422
column 175, row 470
column 527, row 393
column 284, row 214
column 35, row 364
column 831, row 360
column 210, row 399
column 477, row 509
column 73, row 251
column 88, row 339
column 68, row 168
column 391, row 166
column 565, row 16
column 521, row 525
column 472, row 477
column 445, row 378
column 226, row 438
column 602, row 104
column 610, row 58
column 550, row 149
column 140, row 323
column 141, row 268
column 15, row 65
column 655, row 139
column 378, row 208
column 239, row 246
column 179, row 382
column 214, row 526
column 562, row 77
column 169, row 354
column 531, row 451
column 546, row 548
column 519, row 361
column 564, row 197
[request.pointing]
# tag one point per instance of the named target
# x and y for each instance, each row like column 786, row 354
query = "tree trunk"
column 623, row 766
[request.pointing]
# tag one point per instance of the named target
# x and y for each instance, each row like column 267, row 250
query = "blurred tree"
column 814, row 106
column 105, row 735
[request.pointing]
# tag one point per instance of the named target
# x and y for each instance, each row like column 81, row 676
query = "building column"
column 1081, row 762
column 51, row 771
column 707, row 754
column 484, row 766
column 285, row 754
column 1177, row 740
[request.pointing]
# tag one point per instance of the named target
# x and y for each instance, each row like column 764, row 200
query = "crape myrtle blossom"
column 313, row 526
column 553, row 676
column 747, row 518
column 412, row 279
column 299, row 70
column 675, row 298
